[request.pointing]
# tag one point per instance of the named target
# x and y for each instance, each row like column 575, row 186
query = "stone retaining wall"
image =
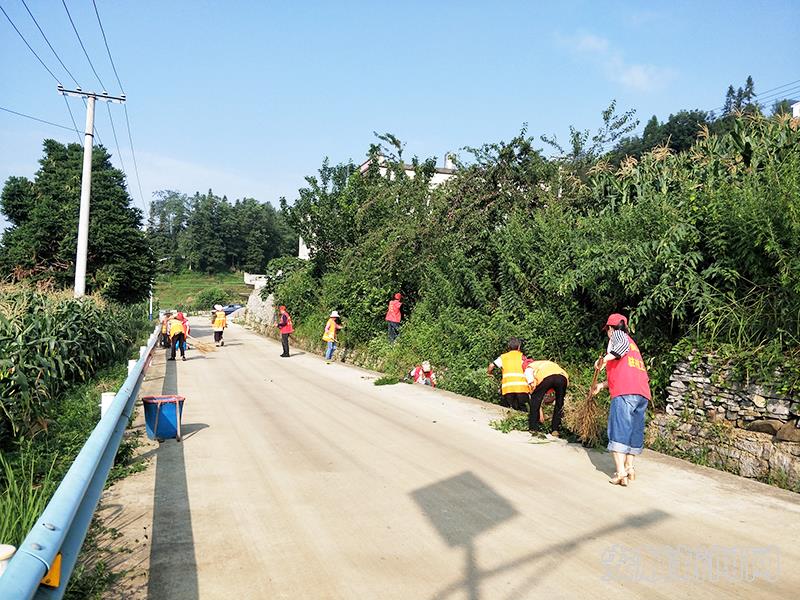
column 714, row 419
column 723, row 446
column 701, row 391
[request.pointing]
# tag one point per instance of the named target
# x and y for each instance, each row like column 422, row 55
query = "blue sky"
column 247, row 98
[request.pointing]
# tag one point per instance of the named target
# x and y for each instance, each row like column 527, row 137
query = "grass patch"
column 386, row 380
column 514, row 421
column 182, row 290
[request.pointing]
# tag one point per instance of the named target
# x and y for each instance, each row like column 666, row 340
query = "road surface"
column 299, row 479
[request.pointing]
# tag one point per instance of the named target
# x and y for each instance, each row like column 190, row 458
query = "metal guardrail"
column 63, row 525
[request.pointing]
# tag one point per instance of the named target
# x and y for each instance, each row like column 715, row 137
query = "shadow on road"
column 463, row 507
column 602, row 460
column 173, row 565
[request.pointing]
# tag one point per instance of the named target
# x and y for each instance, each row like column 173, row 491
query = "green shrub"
column 207, row 298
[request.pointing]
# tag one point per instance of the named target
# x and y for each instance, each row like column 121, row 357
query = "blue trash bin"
column 162, row 416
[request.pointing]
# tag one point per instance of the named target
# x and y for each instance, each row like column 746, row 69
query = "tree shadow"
column 173, row 565
column 463, row 507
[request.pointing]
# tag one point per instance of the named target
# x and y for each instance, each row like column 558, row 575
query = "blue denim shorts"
column 626, row 424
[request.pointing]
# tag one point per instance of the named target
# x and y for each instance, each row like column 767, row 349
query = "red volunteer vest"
column 393, row 314
column 288, row 327
column 628, row 375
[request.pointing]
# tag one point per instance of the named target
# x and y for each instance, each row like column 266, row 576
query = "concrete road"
column 299, row 479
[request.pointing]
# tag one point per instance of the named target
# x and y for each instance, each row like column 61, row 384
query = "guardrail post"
column 106, row 398
column 131, row 366
column 6, row 552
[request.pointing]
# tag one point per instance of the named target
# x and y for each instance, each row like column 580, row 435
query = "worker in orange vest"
column 332, row 326
column 393, row 317
column 164, row 339
column 514, row 388
column 285, row 327
column 178, row 329
column 545, row 376
column 219, row 321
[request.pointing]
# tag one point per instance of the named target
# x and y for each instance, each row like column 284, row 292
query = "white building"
column 796, row 110
column 440, row 175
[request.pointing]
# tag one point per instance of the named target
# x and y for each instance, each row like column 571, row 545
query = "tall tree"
column 169, row 212
column 42, row 240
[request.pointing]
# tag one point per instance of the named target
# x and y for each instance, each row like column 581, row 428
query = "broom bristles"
column 586, row 423
column 203, row 347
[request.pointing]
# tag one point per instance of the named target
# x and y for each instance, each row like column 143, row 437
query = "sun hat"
column 334, row 314
column 218, row 307
column 426, row 366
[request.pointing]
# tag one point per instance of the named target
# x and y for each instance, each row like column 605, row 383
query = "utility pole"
column 86, row 181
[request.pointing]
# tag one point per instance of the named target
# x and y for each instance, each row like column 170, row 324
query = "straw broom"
column 203, row 347
column 586, row 424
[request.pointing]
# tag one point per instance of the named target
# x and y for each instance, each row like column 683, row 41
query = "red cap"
column 281, row 308
column 397, row 296
column 180, row 316
column 614, row 320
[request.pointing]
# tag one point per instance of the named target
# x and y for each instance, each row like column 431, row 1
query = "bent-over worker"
column 544, row 376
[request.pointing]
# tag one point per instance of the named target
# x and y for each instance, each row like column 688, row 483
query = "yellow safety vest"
column 220, row 321
column 545, row 368
column 175, row 327
column 513, row 376
column 330, row 331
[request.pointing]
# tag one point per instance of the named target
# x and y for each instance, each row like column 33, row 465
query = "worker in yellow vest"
column 544, row 376
column 177, row 335
column 514, row 388
column 329, row 335
column 219, row 321
column 164, row 338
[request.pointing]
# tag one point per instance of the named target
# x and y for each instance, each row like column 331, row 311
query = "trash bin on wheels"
column 162, row 416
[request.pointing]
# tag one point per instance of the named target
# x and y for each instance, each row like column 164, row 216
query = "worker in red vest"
column 393, row 316
column 285, row 327
column 514, row 388
column 423, row 374
column 629, row 387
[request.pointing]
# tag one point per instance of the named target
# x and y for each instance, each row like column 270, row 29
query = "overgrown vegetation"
column 700, row 247
column 58, row 355
column 49, row 342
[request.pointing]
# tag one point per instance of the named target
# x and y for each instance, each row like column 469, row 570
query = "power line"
column 80, row 41
column 74, row 124
column 13, row 112
column 105, row 40
column 49, row 44
column 133, row 154
column 22, row 37
column 785, row 94
column 766, row 95
column 116, row 141
column 125, row 107
column 58, row 81
column 780, row 86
